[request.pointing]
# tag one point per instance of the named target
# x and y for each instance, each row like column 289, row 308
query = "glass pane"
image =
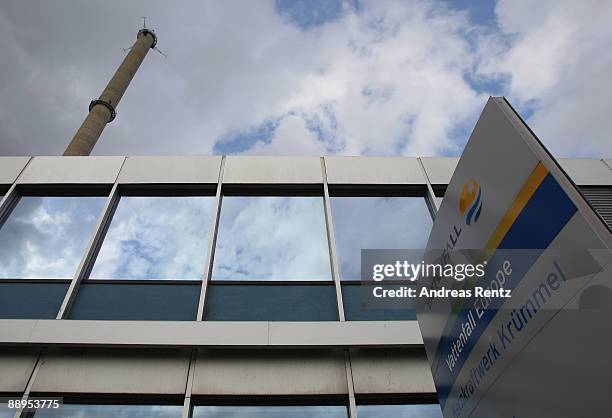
column 399, row 411
column 45, row 237
column 31, row 300
column 334, row 411
column 5, row 412
column 137, row 301
column 377, row 223
column 282, row 302
column 263, row 238
column 111, row 411
column 359, row 304
column 156, row 238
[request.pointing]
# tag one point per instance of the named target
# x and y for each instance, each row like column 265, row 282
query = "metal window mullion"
column 332, row 243
column 211, row 243
column 30, row 383
column 331, row 239
column 350, row 385
column 6, row 203
column 430, row 195
column 189, row 385
column 92, row 247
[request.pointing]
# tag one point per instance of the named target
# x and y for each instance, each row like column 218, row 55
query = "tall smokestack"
column 102, row 110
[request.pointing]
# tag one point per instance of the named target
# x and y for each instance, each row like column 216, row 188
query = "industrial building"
column 212, row 286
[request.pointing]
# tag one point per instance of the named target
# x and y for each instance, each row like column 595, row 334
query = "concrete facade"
column 190, row 359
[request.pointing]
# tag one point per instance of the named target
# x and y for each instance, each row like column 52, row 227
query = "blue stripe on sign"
column 475, row 205
column 540, row 221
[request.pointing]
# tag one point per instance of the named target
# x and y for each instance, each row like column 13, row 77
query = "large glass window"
column 271, row 261
column 397, row 222
column 376, row 222
column 272, row 238
column 399, row 411
column 324, row 411
column 46, row 236
column 114, row 411
column 156, row 237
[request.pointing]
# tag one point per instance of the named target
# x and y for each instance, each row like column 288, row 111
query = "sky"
column 307, row 77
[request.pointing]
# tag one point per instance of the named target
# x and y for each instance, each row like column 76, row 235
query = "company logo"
column 470, row 203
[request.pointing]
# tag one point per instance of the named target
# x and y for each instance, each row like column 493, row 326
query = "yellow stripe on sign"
column 531, row 185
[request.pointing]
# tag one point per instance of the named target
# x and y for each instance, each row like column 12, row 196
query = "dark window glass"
column 136, row 301
column 399, row 411
column 359, row 305
column 156, row 237
column 267, row 302
column 263, row 238
column 327, row 411
column 377, row 223
column 31, row 300
column 45, row 237
column 111, row 411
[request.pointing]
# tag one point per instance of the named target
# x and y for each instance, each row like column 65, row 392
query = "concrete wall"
column 258, row 170
column 91, row 370
column 270, row 372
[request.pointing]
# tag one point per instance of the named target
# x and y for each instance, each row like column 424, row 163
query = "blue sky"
column 308, row 77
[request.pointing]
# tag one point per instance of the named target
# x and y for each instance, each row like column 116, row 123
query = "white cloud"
column 560, row 59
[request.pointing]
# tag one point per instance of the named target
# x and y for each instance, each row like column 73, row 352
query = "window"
column 152, row 260
column 272, row 238
column 42, row 242
column 46, row 236
column 115, row 411
column 398, row 222
column 271, row 261
column 400, row 411
column 156, row 237
column 376, row 222
column 323, row 411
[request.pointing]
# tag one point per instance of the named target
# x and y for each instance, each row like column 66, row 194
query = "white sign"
column 544, row 352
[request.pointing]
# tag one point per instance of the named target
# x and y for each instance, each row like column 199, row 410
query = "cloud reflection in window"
column 156, row 237
column 272, row 238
